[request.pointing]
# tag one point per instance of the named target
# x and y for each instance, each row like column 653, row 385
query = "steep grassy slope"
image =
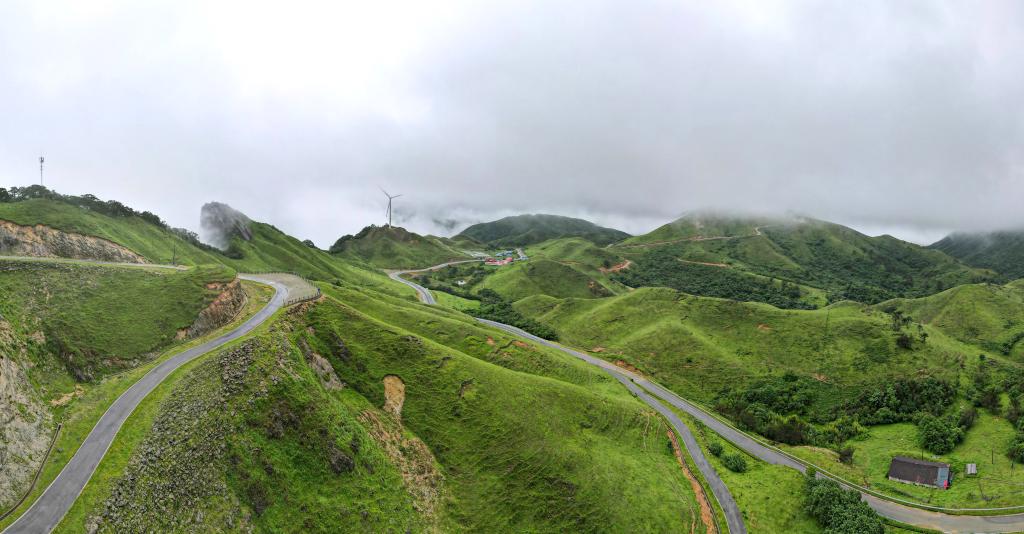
column 156, row 244
column 542, row 277
column 520, row 452
column 704, row 345
column 99, row 319
column 396, row 248
column 845, row 263
column 521, row 230
column 271, row 249
column 1002, row 252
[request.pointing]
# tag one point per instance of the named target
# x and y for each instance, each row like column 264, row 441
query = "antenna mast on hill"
column 41, row 160
column 390, row 198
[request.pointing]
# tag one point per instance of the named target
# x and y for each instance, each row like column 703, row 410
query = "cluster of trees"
column 839, row 511
column 661, row 267
column 780, row 408
column 902, row 400
column 939, row 435
column 495, row 308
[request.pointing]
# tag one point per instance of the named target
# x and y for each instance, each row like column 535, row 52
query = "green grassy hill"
column 703, row 346
column 157, row 244
column 521, row 230
column 1002, row 252
column 846, row 264
column 396, row 248
column 577, row 252
column 542, row 277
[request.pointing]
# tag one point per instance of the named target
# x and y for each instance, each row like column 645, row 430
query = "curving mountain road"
column 890, row 509
column 733, row 516
column 48, row 510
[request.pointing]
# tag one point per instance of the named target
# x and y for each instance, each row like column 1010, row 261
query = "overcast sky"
column 893, row 116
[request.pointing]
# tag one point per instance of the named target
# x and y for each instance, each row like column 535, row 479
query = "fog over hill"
column 888, row 117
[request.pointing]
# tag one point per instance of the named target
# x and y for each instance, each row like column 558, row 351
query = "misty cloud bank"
column 219, row 222
column 896, row 117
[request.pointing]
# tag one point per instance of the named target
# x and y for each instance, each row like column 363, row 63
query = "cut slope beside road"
column 48, row 510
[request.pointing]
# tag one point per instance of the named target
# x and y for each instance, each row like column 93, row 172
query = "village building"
column 920, row 472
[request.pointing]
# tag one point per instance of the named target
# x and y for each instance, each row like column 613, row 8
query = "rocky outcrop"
column 45, row 242
column 220, row 312
column 26, row 425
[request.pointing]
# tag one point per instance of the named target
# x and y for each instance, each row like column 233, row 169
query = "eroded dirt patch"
column 628, row 366
column 419, row 470
column 616, row 268
column 763, row 327
column 46, row 242
column 394, row 395
column 706, row 513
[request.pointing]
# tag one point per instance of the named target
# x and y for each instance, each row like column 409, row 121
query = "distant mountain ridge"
column 844, row 262
column 521, row 230
column 1001, row 251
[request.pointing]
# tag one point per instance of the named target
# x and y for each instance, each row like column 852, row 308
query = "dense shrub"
column 901, row 400
column 837, row 510
column 715, row 448
column 735, row 462
column 937, row 435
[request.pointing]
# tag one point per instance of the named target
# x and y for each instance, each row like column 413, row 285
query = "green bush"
column 735, row 462
column 839, row 511
column 937, row 435
column 715, row 448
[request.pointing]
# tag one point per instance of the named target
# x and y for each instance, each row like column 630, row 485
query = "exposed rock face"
column 45, row 242
column 220, row 312
column 26, row 425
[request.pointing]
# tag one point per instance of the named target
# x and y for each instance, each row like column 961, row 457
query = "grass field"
column 100, row 319
column 397, row 248
column 999, row 482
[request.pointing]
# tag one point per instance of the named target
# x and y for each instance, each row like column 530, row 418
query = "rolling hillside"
column 1002, row 252
column 522, row 230
column 846, row 264
column 396, row 248
column 366, row 408
column 543, row 277
column 706, row 345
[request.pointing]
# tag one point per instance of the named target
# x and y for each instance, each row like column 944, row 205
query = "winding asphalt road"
column 911, row 515
column 733, row 516
column 48, row 510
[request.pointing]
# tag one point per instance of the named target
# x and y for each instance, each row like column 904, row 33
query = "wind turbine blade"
column 396, row 196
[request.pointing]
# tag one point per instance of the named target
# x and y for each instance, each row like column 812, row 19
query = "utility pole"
column 41, row 160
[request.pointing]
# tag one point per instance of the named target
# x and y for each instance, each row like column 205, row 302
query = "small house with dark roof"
column 920, row 472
